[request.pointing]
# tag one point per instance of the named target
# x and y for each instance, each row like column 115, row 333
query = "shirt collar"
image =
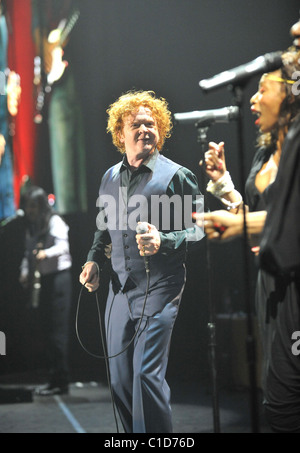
column 149, row 163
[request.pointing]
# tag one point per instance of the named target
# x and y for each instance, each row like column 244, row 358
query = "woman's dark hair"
column 290, row 107
column 291, row 104
column 38, row 195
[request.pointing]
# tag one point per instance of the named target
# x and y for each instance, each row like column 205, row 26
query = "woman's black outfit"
column 277, row 291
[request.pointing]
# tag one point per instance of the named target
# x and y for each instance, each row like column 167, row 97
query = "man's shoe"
column 52, row 390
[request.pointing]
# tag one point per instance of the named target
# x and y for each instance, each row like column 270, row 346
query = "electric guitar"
column 56, row 39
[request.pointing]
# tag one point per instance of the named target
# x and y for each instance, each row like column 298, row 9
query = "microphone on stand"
column 265, row 63
column 142, row 228
column 207, row 117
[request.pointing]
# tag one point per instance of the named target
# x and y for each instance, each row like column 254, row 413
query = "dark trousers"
column 55, row 304
column 141, row 392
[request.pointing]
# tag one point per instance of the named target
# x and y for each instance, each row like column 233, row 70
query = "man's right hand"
column 89, row 276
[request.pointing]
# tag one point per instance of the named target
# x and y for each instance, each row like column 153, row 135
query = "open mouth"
column 258, row 115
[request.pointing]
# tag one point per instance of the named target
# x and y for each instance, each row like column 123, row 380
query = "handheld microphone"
column 142, row 228
column 265, row 63
column 207, row 117
column 19, row 213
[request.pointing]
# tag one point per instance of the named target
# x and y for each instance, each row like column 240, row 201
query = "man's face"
column 140, row 133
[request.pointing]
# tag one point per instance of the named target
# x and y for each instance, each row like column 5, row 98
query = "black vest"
column 122, row 216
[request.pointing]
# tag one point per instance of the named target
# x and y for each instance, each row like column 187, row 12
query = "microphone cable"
column 105, row 356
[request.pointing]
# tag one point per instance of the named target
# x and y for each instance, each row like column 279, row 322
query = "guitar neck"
column 69, row 27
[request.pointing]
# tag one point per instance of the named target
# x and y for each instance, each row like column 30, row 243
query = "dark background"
column 167, row 46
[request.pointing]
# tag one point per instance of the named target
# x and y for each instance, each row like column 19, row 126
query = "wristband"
column 222, row 186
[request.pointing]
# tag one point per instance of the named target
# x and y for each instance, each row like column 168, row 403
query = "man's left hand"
column 149, row 243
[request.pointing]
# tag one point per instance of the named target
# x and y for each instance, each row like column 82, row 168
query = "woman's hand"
column 215, row 164
column 221, row 225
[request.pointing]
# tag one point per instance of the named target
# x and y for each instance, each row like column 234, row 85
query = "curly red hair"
column 131, row 101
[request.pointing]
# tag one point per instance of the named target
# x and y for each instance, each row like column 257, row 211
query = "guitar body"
column 58, row 66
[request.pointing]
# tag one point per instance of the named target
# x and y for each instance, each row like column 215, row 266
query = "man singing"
column 140, row 313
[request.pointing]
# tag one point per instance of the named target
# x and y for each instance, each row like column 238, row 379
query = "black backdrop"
column 167, row 46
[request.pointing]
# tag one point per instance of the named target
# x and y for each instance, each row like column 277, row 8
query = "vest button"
column 127, row 257
column 126, row 247
column 128, row 269
column 125, row 235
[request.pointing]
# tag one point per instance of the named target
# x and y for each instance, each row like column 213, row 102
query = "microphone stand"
column 212, row 344
column 250, row 341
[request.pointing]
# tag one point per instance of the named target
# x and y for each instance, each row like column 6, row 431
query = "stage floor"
column 88, row 409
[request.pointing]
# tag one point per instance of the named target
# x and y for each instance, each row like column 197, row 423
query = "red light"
column 51, row 199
